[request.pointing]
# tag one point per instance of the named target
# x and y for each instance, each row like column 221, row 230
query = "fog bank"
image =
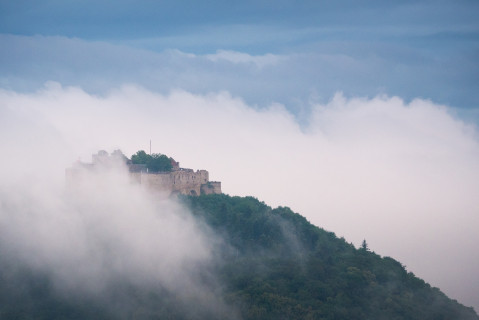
column 403, row 176
column 100, row 231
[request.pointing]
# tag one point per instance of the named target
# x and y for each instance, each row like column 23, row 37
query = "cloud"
column 291, row 77
column 100, row 232
column 239, row 57
column 401, row 175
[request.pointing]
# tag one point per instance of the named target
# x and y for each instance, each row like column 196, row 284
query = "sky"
column 361, row 116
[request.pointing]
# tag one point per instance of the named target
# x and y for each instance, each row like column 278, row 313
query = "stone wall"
column 182, row 181
column 211, row 187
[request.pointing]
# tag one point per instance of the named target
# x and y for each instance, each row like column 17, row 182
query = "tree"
column 159, row 163
column 364, row 245
column 141, row 157
column 155, row 163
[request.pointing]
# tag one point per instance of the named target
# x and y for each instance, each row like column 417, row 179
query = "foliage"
column 364, row 245
column 283, row 267
column 155, row 162
column 141, row 157
column 273, row 264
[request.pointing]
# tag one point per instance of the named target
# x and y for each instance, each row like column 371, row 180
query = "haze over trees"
column 269, row 264
column 286, row 268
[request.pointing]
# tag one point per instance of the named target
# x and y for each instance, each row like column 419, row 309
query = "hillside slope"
column 283, row 267
column 268, row 264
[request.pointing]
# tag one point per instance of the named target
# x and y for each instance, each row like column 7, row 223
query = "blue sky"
column 370, row 106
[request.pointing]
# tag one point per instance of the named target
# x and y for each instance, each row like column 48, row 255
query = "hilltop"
column 156, row 172
column 256, row 262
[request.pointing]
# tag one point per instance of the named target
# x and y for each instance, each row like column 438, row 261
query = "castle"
column 177, row 181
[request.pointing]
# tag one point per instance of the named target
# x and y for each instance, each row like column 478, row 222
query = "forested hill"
column 286, row 268
column 268, row 264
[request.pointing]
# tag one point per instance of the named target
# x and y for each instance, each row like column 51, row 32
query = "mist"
column 403, row 176
column 100, row 231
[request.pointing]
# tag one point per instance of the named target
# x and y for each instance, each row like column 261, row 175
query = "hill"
column 287, row 268
column 270, row 264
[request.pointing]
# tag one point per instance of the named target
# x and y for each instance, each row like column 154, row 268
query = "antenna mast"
column 150, row 147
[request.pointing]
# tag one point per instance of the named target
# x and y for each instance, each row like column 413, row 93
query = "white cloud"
column 404, row 176
column 240, row 57
column 104, row 229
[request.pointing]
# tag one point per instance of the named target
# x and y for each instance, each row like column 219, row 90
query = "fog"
column 403, row 176
column 99, row 230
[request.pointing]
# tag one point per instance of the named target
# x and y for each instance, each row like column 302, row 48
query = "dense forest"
column 310, row 273
column 271, row 264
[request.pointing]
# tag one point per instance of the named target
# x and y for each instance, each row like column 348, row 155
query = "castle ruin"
column 177, row 181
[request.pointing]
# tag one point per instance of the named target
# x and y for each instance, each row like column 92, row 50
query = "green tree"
column 155, row 163
column 364, row 245
column 141, row 157
column 159, row 163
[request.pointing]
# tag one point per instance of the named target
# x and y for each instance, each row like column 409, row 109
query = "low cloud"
column 100, row 231
column 403, row 176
